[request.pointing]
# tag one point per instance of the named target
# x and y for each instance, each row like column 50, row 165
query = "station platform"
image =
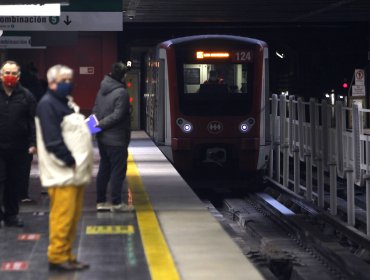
column 170, row 234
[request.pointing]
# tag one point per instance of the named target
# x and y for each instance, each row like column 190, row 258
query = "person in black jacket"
column 29, row 80
column 17, row 140
column 112, row 109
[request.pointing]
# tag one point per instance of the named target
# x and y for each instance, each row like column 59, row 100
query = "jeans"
column 112, row 170
column 25, row 175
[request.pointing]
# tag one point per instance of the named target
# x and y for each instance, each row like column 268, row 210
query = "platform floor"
column 170, row 235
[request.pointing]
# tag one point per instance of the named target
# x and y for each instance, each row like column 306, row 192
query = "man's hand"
column 32, row 150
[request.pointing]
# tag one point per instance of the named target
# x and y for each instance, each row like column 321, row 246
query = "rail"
column 330, row 139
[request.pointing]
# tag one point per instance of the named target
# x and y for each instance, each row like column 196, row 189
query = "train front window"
column 216, row 89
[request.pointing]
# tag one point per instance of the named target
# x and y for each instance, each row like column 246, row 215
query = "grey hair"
column 57, row 70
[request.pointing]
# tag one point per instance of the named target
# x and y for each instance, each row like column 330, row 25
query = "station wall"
column 90, row 57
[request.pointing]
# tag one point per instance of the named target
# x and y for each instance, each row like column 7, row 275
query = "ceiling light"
column 281, row 55
column 30, row 10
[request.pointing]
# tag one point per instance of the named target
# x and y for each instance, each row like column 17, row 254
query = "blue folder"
column 91, row 122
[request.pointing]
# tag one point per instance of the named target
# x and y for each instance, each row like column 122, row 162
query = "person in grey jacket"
column 112, row 109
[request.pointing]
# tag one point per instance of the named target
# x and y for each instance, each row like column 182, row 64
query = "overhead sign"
column 68, row 21
column 17, row 42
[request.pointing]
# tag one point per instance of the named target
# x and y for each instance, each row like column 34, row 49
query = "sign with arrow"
column 68, row 21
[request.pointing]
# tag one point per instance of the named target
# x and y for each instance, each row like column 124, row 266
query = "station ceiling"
column 246, row 11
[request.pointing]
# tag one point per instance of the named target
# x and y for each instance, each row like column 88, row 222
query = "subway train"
column 206, row 102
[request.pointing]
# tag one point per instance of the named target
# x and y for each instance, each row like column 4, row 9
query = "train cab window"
column 216, row 89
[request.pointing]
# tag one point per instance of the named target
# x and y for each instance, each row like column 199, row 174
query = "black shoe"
column 80, row 265
column 68, row 266
column 13, row 222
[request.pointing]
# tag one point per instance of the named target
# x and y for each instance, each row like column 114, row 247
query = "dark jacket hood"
column 108, row 84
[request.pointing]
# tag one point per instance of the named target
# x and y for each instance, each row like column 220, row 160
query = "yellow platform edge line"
column 159, row 258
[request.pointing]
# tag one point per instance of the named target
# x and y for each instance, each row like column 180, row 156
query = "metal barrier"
column 330, row 139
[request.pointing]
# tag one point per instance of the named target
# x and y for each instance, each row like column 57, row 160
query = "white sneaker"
column 104, row 206
column 122, row 207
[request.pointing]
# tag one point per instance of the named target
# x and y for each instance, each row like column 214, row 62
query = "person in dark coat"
column 65, row 168
column 29, row 80
column 112, row 109
column 17, row 141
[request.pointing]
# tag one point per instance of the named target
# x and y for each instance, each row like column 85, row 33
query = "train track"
column 288, row 238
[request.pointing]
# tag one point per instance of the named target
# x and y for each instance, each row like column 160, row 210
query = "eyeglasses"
column 15, row 73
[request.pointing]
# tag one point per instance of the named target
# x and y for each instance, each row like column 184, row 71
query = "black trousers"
column 112, row 169
column 24, row 178
column 14, row 165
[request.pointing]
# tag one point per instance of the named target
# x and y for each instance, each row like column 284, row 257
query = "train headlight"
column 246, row 125
column 185, row 125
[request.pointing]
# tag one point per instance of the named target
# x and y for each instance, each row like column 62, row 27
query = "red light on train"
column 203, row 55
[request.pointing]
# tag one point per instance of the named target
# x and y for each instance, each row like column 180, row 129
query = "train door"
column 166, row 100
column 159, row 133
column 155, row 100
column 150, row 96
column 132, row 83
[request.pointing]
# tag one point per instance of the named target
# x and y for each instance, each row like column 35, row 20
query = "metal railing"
column 329, row 139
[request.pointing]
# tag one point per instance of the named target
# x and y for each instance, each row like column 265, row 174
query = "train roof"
column 212, row 36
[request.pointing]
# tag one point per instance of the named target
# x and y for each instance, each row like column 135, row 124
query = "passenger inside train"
column 214, row 78
column 219, row 79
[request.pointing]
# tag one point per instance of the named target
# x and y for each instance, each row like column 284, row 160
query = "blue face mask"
column 64, row 89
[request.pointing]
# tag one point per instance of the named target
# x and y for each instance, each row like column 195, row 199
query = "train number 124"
column 243, row 56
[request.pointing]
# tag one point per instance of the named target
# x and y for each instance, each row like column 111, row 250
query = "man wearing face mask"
column 63, row 171
column 17, row 141
column 112, row 109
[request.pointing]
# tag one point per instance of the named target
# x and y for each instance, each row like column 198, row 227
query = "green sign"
column 54, row 20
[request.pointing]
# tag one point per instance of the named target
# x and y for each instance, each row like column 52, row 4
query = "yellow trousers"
column 65, row 211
